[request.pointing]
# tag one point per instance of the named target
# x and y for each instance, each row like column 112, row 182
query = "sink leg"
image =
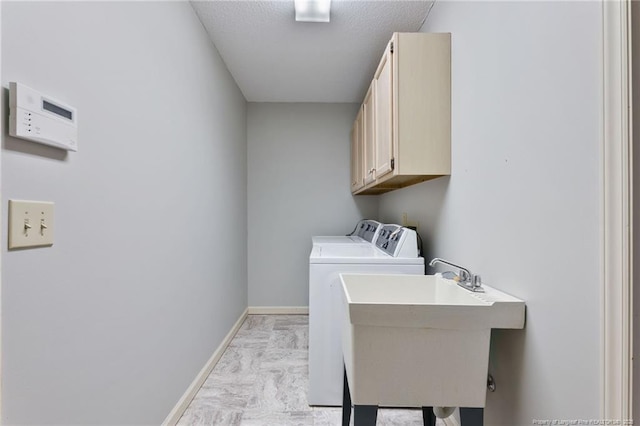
column 346, row 401
column 365, row 415
column 428, row 418
column 471, row 416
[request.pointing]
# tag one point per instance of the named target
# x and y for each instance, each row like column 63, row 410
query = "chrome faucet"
column 467, row 280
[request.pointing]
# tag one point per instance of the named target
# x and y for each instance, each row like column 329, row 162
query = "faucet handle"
column 464, row 276
column 477, row 281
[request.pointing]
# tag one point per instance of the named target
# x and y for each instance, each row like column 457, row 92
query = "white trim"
column 177, row 412
column 278, row 310
column 617, row 292
column 2, row 132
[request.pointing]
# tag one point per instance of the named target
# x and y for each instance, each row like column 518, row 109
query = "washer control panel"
column 397, row 241
column 368, row 229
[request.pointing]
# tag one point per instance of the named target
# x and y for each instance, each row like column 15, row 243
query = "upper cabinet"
column 405, row 119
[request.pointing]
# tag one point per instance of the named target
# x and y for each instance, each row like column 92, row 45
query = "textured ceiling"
column 273, row 58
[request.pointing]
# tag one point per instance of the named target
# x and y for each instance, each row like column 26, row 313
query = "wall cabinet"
column 403, row 127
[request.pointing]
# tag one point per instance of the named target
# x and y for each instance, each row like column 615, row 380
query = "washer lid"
column 338, row 239
column 357, row 254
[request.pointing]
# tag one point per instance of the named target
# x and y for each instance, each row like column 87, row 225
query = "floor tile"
column 281, row 390
column 276, row 357
column 283, row 322
column 327, row 416
column 239, row 360
column 399, row 417
column 259, row 322
column 251, row 339
column 295, row 337
column 256, row 418
column 225, row 392
column 203, row 416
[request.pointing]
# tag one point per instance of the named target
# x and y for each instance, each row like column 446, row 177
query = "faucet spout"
column 462, row 269
column 468, row 280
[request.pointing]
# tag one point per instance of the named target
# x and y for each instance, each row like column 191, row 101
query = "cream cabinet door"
column 368, row 113
column 383, row 81
column 357, row 154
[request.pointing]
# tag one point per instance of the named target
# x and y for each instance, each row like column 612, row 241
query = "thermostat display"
column 37, row 117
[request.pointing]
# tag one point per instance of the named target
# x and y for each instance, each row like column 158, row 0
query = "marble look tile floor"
column 262, row 380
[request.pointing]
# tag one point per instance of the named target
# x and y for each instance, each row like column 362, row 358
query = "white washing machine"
column 395, row 251
column 365, row 231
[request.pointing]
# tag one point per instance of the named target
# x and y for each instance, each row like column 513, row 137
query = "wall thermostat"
column 40, row 118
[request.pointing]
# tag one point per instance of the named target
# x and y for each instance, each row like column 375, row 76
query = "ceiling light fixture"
column 312, row 10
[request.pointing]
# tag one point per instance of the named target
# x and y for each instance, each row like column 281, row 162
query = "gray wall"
column 298, row 157
column 522, row 206
column 112, row 323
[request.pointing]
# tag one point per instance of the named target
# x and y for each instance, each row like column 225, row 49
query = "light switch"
column 30, row 223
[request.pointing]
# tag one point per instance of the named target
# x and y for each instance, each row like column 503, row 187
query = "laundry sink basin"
column 428, row 301
column 420, row 340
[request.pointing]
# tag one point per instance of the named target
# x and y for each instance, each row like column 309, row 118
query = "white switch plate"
column 30, row 223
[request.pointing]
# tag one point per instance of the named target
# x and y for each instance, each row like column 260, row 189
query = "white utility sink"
column 420, row 340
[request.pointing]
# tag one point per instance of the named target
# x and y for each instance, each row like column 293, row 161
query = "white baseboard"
column 177, row 412
column 278, row 310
